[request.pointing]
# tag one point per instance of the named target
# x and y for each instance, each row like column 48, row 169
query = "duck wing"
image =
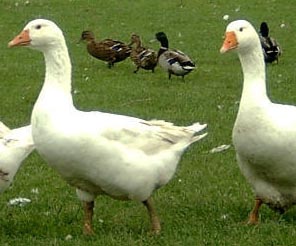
column 184, row 60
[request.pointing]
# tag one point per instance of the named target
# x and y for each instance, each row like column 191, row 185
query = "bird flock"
column 128, row 158
column 112, row 51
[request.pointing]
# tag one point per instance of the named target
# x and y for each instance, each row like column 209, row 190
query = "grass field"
column 208, row 200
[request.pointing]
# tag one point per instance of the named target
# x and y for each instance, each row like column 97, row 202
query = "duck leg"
column 254, row 215
column 88, row 215
column 137, row 69
column 111, row 63
column 154, row 220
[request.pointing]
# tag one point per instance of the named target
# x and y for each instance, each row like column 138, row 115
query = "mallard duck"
column 142, row 57
column 171, row 60
column 99, row 153
column 108, row 50
column 271, row 48
column 15, row 146
column 264, row 133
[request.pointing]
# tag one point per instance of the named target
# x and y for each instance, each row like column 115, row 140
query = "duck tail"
column 188, row 68
column 188, row 65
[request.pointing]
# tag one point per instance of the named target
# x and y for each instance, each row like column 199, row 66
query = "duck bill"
column 152, row 40
column 80, row 40
column 230, row 42
column 23, row 39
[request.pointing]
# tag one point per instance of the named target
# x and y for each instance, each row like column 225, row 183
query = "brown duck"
column 108, row 50
column 142, row 57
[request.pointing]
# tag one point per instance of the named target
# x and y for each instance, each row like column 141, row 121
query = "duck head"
column 162, row 38
column 264, row 30
column 87, row 36
column 135, row 39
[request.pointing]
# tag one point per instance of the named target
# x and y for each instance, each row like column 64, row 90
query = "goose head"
column 240, row 35
column 38, row 34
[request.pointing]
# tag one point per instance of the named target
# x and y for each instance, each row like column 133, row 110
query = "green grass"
column 208, row 200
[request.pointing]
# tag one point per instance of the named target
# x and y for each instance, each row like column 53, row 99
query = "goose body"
column 264, row 133
column 98, row 153
column 171, row 60
column 142, row 57
column 271, row 49
column 15, row 146
column 109, row 50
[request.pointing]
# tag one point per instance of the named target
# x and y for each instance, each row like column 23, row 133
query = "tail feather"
column 188, row 68
column 3, row 129
column 197, row 128
column 198, row 137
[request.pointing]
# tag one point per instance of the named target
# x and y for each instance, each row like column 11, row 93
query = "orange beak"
column 23, row 39
column 230, row 42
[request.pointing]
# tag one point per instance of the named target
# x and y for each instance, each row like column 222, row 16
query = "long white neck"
column 254, row 87
column 56, row 90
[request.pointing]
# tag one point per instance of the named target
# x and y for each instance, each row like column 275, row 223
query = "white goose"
column 98, row 153
column 15, row 146
column 264, row 134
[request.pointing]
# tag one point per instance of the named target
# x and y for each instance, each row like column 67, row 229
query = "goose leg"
column 88, row 215
column 154, row 220
column 254, row 215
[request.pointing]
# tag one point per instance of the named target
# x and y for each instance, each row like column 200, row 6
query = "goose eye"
column 38, row 27
column 241, row 29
